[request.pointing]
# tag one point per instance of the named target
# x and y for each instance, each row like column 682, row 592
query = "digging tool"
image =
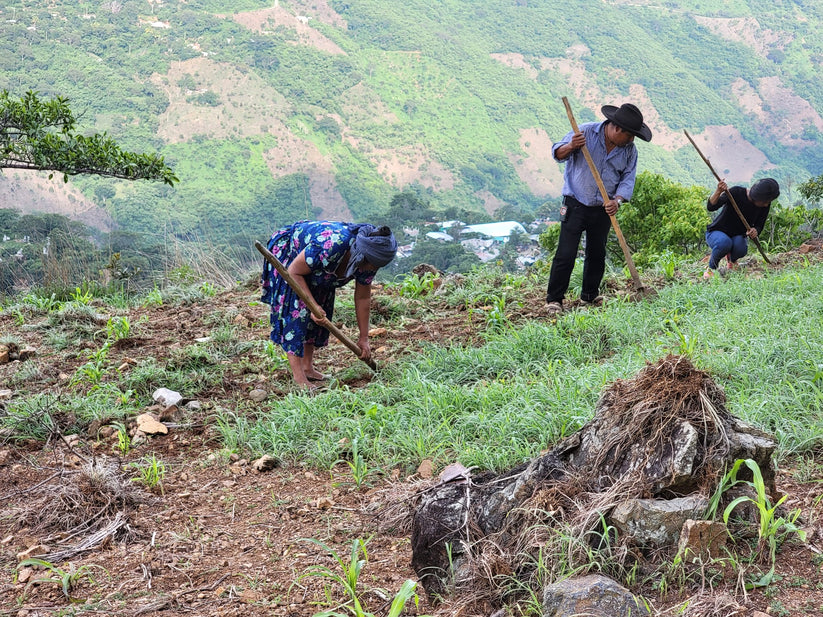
column 312, row 305
column 731, row 199
column 638, row 284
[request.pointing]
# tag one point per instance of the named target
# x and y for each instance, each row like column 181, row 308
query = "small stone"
column 241, row 320
column 23, row 575
column 426, row 469
column 454, row 471
column 702, row 538
column 377, row 332
column 150, row 425
column 258, row 395
column 5, row 457
column 249, row 596
column 122, row 367
column 324, row 503
column 4, row 354
column 5, row 394
column 37, row 549
column 167, row 398
column 264, row 463
column 27, row 353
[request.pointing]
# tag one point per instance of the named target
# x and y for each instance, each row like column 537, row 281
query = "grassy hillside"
column 478, row 358
column 275, row 112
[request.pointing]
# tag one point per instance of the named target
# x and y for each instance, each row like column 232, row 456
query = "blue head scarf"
column 375, row 245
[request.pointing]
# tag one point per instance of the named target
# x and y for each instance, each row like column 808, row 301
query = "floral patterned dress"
column 325, row 244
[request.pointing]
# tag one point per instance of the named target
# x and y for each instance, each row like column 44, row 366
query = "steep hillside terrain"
column 216, row 536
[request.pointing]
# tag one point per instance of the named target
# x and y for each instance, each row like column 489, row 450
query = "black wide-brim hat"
column 628, row 118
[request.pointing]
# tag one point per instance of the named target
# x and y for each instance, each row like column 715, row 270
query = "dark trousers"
column 596, row 223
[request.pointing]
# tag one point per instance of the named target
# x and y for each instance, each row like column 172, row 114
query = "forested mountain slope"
column 271, row 110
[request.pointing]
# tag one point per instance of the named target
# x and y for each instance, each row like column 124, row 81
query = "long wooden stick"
column 731, row 198
column 638, row 284
column 312, row 305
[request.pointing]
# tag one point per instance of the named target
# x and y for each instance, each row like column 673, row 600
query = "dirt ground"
column 224, row 539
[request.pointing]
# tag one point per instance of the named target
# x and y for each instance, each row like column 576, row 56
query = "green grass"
column 530, row 385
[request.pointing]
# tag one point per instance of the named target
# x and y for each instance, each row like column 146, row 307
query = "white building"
column 499, row 232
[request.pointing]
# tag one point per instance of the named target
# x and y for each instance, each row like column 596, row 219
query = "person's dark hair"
column 766, row 189
column 380, row 231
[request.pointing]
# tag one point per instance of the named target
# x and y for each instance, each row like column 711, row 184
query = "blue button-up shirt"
column 617, row 168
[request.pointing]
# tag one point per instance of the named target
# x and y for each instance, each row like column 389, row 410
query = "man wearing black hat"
column 611, row 145
column 726, row 235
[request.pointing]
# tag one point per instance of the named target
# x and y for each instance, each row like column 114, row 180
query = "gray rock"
column 594, row 596
column 258, row 395
column 167, row 398
column 656, row 522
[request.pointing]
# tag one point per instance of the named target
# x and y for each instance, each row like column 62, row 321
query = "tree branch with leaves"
column 40, row 134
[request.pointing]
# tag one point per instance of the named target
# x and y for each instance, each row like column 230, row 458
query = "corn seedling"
column 42, row 303
column 687, row 345
column 152, row 471
column 123, row 444
column 208, row 289
column 414, row 286
column 360, row 470
column 82, row 297
column 496, row 319
column 347, row 578
column 771, row 528
column 667, row 262
column 66, row 579
column 153, row 298
column 118, row 328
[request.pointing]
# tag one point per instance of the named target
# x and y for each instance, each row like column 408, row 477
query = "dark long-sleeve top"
column 728, row 222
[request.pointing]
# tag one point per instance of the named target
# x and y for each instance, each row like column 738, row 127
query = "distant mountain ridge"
column 271, row 112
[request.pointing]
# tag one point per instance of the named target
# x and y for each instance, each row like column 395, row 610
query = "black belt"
column 571, row 201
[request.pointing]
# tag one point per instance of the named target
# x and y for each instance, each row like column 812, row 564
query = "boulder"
column 594, row 596
column 656, row 522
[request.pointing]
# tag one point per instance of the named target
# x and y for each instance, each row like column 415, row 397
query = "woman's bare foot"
column 313, row 374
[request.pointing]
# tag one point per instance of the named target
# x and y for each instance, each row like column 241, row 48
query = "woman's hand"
column 320, row 321
column 365, row 348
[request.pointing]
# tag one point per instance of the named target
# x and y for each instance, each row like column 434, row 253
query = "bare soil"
column 223, row 539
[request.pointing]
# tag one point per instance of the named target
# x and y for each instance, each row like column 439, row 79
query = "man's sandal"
column 554, row 308
column 598, row 301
